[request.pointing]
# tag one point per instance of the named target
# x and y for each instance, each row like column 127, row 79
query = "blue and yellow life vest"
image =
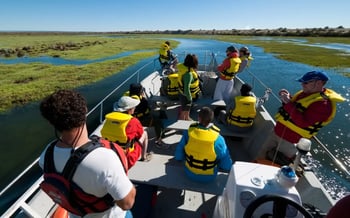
column 302, row 104
column 200, row 154
column 114, row 129
column 244, row 112
column 232, row 70
column 194, row 86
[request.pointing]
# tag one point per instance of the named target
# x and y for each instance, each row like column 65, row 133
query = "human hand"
column 268, row 91
column 284, row 96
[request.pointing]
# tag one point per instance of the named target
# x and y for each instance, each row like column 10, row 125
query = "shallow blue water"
column 25, row 133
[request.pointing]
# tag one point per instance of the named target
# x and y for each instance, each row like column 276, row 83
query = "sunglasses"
column 307, row 82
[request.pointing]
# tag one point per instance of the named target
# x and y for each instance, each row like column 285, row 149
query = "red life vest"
column 61, row 188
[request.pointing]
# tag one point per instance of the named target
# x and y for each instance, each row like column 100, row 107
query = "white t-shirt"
column 101, row 172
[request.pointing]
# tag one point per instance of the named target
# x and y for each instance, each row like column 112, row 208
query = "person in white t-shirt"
column 101, row 171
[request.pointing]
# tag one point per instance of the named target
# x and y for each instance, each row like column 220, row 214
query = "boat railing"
column 20, row 203
column 135, row 76
column 335, row 160
column 209, row 60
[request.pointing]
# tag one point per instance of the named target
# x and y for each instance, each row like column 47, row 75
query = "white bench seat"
column 165, row 171
column 185, row 124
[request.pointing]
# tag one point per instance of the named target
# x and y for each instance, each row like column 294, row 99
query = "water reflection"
column 304, row 42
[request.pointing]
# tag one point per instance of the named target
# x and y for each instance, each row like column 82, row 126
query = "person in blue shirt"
column 203, row 149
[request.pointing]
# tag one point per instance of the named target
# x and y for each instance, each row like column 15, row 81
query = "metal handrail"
column 98, row 105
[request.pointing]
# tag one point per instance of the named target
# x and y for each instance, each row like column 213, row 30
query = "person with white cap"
column 121, row 127
column 301, row 115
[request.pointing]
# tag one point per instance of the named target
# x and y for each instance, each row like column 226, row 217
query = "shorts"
column 185, row 103
column 134, row 155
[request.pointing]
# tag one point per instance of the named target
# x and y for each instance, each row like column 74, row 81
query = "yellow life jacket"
column 137, row 113
column 114, row 129
column 302, row 104
column 194, row 86
column 173, row 88
column 231, row 72
column 249, row 59
column 200, row 153
column 244, row 112
column 163, row 53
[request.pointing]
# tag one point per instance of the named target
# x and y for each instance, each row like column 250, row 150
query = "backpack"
column 63, row 191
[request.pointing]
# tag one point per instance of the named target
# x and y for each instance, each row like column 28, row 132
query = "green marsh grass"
column 24, row 83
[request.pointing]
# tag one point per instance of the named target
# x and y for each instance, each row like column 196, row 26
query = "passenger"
column 301, row 116
column 242, row 112
column 167, row 58
column 188, row 85
column 246, row 58
column 121, row 127
column 340, row 209
column 101, row 172
column 203, row 149
column 142, row 110
column 228, row 69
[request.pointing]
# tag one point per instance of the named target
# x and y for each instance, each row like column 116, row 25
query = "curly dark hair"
column 64, row 109
column 191, row 61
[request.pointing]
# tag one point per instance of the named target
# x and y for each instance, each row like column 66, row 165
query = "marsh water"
column 25, row 133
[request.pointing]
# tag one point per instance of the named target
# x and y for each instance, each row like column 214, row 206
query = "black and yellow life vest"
column 194, row 86
column 138, row 113
column 248, row 59
column 164, row 53
column 114, row 129
column 231, row 72
column 302, row 104
column 173, row 87
column 244, row 112
column 200, row 153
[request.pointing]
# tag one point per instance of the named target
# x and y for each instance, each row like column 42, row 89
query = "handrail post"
column 101, row 113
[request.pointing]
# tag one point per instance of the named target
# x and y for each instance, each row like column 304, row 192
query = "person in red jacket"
column 301, row 116
column 227, row 71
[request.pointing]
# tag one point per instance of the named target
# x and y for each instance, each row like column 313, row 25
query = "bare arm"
column 127, row 202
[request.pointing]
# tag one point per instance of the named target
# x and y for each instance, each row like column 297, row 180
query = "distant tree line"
column 315, row 32
column 339, row 31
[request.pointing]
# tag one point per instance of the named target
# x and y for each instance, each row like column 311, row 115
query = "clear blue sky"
column 129, row 15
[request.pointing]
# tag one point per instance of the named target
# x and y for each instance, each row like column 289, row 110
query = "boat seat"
column 176, row 124
column 169, row 173
column 210, row 101
column 225, row 131
column 185, row 124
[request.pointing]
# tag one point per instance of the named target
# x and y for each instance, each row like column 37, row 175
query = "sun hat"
column 231, row 49
column 313, row 75
column 125, row 103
